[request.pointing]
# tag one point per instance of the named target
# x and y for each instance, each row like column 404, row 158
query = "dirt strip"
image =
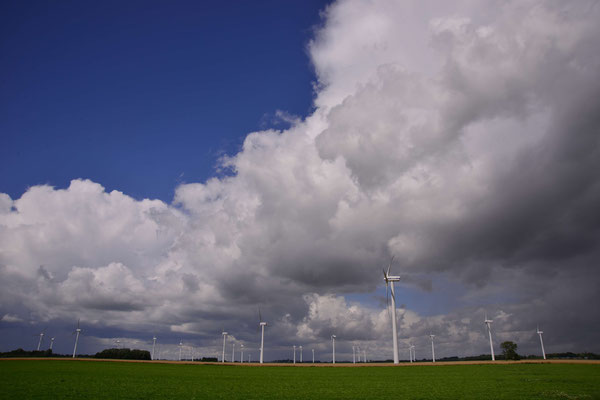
column 237, row 364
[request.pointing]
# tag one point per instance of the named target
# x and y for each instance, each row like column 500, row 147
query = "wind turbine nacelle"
column 540, row 332
column 488, row 321
column 263, row 324
column 393, row 278
column 225, row 333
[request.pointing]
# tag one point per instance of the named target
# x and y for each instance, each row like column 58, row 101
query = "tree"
column 509, row 350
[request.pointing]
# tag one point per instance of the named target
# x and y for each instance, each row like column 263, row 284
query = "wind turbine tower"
column 541, row 341
column 76, row 332
column 224, row 340
column 233, row 352
column 51, row 343
column 432, row 348
column 242, row 355
column 180, row 347
column 313, row 354
column 353, row 354
column 153, row 345
column 389, row 281
column 488, row 322
column 412, row 353
column 294, row 354
column 333, row 343
column 262, row 325
column 40, row 342
column 300, row 354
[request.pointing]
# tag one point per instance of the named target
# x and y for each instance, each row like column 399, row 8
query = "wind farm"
column 193, row 194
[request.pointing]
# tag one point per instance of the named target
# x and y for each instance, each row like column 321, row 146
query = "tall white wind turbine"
column 180, row 348
column 389, row 281
column 313, row 354
column 233, row 352
column 432, row 348
column 412, row 353
column 541, row 341
column 51, row 343
column 300, row 354
column 294, row 354
column 353, row 354
column 153, row 345
column 224, row 340
column 488, row 323
column 262, row 325
column 242, row 355
column 333, row 344
column 76, row 332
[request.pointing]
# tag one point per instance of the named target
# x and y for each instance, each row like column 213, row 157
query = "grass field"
column 72, row 379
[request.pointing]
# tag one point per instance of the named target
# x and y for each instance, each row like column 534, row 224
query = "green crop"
column 73, row 379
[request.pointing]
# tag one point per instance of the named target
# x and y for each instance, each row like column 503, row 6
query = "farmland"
column 75, row 379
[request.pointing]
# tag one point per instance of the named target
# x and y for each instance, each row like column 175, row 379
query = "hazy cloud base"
column 463, row 139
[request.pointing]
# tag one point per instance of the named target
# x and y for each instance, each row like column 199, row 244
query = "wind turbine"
column 294, row 354
column 77, row 332
column 233, row 352
column 180, row 347
column 224, row 340
column 364, row 356
column 432, row 348
column 333, row 343
column 51, row 343
column 153, row 345
column 487, row 323
column 389, row 280
column 313, row 354
column 242, row 355
column 353, row 354
column 118, row 343
column 300, row 354
column 262, row 325
column 541, row 341
column 40, row 342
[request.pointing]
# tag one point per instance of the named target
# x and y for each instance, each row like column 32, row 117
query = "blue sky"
column 142, row 95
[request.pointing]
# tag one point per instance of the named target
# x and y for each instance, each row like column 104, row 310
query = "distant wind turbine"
column 432, row 348
column 180, row 347
column 541, row 341
column 262, row 325
column 333, row 343
column 76, row 332
column 389, row 280
column 294, row 354
column 300, row 354
column 224, row 340
column 233, row 352
column 153, row 345
column 313, row 354
column 242, row 355
column 51, row 343
column 353, row 354
column 488, row 322
column 40, row 341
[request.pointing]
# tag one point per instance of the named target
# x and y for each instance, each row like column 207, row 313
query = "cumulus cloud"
column 461, row 138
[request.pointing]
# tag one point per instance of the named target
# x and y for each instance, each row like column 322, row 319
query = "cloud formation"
column 464, row 140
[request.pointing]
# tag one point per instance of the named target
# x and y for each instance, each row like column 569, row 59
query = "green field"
column 67, row 379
